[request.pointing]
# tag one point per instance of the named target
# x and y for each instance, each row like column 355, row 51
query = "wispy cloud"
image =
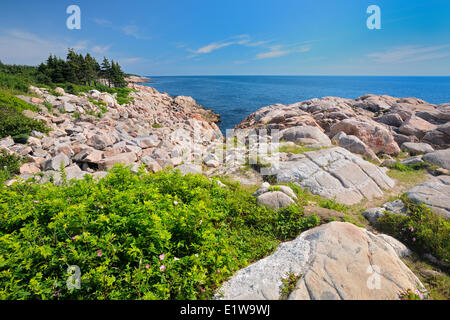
column 243, row 40
column 411, row 53
column 131, row 30
column 21, row 47
column 279, row 51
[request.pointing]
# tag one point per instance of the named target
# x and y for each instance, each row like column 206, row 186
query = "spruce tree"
column 106, row 71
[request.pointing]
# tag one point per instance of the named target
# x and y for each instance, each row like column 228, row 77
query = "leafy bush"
column 9, row 165
column 422, row 230
column 146, row 236
column 407, row 168
column 291, row 222
column 12, row 121
column 21, row 138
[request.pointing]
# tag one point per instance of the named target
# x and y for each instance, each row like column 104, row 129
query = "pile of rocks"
column 93, row 132
column 373, row 125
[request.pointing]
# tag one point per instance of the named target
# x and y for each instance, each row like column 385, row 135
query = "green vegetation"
column 156, row 125
column 408, row 178
column 421, row 230
column 9, row 165
column 305, row 196
column 97, row 103
column 79, row 70
column 297, row 149
column 134, row 236
column 12, row 121
column 411, row 295
column 289, row 284
column 408, row 168
column 76, row 74
column 437, row 283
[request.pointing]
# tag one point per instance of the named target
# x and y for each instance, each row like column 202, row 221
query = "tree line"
column 82, row 70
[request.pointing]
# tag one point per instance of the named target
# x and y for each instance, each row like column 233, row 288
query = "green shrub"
column 146, row 236
column 21, row 138
column 422, row 230
column 9, row 165
column 407, row 168
column 332, row 205
column 290, row 222
column 289, row 284
column 12, row 121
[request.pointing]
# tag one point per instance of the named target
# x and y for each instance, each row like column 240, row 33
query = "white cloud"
column 243, row 40
column 411, row 54
column 276, row 51
column 214, row 46
column 21, row 47
column 272, row 54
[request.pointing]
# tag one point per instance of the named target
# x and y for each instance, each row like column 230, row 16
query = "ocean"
column 235, row 97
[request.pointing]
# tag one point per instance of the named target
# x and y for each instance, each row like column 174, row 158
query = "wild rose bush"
column 133, row 236
column 421, row 230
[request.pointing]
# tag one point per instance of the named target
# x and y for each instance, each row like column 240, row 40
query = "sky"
column 236, row 37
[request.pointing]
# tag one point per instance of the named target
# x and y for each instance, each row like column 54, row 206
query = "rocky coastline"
column 339, row 149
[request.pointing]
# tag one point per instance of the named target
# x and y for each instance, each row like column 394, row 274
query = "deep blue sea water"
column 235, row 97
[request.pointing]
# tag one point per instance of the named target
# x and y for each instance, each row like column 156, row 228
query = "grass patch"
column 408, row 178
column 145, row 236
column 297, row 149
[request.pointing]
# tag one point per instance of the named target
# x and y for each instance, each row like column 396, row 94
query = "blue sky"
column 236, row 37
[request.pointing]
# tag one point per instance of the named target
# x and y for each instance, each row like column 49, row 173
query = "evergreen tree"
column 106, row 71
column 77, row 69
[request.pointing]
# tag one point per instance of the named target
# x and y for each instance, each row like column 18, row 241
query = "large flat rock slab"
column 435, row 193
column 440, row 158
column 337, row 260
column 336, row 173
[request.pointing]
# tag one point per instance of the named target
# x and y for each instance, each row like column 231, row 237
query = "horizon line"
column 289, row 75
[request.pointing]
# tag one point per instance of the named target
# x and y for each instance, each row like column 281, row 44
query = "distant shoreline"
column 137, row 79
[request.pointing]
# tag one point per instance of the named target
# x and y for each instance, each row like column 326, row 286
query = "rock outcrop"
column 435, row 193
column 380, row 122
column 440, row 158
column 335, row 173
column 336, row 261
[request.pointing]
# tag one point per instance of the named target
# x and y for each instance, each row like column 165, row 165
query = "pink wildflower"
column 162, row 268
column 147, row 266
column 99, row 253
column 420, row 294
column 161, row 257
